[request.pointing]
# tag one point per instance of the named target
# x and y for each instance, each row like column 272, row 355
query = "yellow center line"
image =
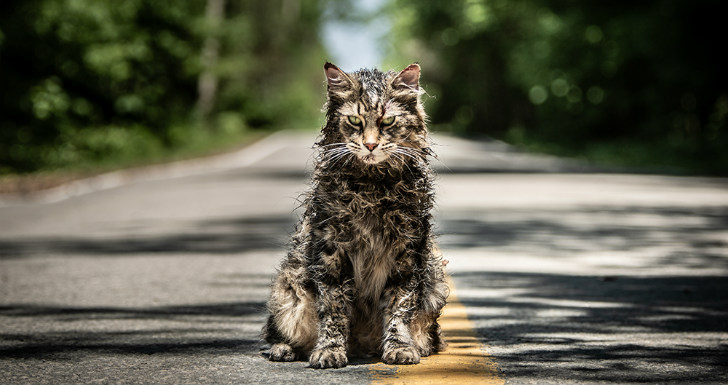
column 465, row 361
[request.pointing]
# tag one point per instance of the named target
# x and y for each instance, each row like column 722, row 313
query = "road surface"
column 566, row 276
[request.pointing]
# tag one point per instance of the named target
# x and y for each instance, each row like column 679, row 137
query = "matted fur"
column 362, row 276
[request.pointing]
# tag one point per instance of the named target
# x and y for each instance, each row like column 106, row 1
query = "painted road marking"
column 465, row 361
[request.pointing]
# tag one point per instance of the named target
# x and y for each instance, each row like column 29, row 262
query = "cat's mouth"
column 372, row 159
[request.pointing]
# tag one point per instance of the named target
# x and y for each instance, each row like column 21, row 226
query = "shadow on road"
column 63, row 332
column 626, row 294
column 641, row 297
column 220, row 236
column 638, row 236
column 620, row 329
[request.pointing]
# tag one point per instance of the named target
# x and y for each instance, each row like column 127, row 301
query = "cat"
column 363, row 275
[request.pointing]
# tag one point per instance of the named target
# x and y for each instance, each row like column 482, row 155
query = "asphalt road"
column 570, row 276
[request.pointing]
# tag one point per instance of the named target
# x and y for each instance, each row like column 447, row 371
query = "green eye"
column 387, row 121
column 355, row 120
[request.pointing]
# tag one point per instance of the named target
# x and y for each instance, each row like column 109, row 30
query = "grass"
column 114, row 148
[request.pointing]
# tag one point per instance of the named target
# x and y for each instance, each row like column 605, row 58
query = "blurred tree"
column 270, row 65
column 84, row 81
column 643, row 82
column 71, row 67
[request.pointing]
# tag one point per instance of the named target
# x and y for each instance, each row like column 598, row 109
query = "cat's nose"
column 370, row 146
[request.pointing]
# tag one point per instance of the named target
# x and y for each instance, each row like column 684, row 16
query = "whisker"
column 405, row 153
column 338, row 154
column 402, row 160
column 411, row 150
column 336, row 150
column 414, row 154
column 430, row 152
column 333, row 144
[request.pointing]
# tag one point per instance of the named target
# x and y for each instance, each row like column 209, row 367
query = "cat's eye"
column 388, row 121
column 355, row 120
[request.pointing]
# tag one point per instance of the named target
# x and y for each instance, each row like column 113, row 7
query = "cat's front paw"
column 401, row 355
column 282, row 352
column 328, row 358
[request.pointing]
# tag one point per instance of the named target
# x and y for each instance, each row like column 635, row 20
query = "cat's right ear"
column 408, row 78
column 336, row 79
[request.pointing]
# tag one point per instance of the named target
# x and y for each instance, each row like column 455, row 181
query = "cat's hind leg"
column 424, row 328
column 411, row 330
column 292, row 326
column 426, row 334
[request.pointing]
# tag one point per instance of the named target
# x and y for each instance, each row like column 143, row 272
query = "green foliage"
column 270, row 69
column 576, row 77
column 86, row 81
column 77, row 73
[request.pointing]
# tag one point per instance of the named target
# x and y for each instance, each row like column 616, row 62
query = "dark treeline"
column 634, row 83
column 85, row 80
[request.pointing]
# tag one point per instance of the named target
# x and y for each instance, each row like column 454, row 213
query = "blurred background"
column 88, row 86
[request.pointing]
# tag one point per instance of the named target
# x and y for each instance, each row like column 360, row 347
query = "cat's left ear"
column 336, row 78
column 409, row 77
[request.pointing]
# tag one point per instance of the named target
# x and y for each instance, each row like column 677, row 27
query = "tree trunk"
column 208, row 81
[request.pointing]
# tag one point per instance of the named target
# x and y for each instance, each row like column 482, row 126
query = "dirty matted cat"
column 362, row 276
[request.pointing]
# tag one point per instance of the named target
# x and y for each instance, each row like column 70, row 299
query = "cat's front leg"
column 334, row 306
column 398, row 347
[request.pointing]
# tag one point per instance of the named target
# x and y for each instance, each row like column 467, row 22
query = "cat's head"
column 374, row 117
